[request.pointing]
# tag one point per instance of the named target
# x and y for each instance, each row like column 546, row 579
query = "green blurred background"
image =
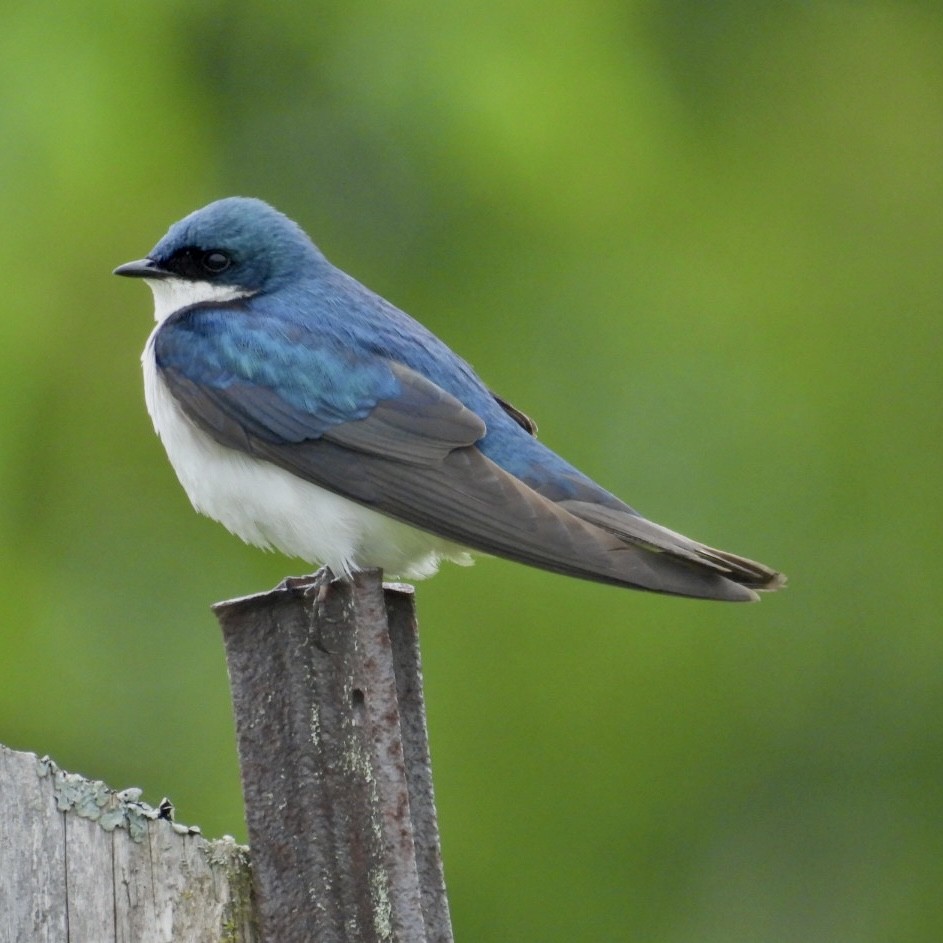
column 701, row 244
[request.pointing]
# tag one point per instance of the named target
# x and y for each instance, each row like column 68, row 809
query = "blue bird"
column 306, row 413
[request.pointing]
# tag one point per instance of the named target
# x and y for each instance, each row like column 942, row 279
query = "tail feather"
column 641, row 532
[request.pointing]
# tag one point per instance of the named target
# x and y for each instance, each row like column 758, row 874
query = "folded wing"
column 413, row 456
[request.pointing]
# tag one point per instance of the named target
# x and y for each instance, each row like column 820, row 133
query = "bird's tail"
column 746, row 572
column 637, row 531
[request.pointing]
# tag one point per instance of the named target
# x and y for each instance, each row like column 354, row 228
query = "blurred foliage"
column 701, row 244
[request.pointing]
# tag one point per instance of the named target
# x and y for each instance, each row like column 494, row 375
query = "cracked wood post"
column 79, row 861
column 335, row 764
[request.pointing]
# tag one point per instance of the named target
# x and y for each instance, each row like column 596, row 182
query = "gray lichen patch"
column 92, row 799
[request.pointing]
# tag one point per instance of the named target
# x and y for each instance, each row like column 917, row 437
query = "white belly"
column 270, row 508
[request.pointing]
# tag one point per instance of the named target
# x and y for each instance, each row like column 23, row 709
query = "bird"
column 309, row 415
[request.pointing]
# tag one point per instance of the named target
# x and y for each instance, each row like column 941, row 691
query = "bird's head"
column 233, row 248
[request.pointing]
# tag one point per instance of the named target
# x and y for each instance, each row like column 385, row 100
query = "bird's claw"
column 309, row 585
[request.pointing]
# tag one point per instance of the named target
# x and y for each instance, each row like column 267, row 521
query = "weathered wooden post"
column 327, row 690
column 81, row 862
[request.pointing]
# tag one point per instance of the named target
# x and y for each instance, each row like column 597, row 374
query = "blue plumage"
column 270, row 365
column 324, row 344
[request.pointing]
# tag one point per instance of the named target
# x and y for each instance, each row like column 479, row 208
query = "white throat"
column 172, row 294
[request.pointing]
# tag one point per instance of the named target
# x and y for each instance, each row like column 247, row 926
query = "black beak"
column 142, row 268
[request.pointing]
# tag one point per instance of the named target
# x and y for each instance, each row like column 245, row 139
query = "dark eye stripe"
column 198, row 264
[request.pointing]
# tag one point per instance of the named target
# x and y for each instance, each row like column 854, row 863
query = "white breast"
column 271, row 508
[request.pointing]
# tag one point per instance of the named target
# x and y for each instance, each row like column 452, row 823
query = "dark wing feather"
column 422, row 425
column 521, row 418
column 644, row 533
column 469, row 499
column 413, row 458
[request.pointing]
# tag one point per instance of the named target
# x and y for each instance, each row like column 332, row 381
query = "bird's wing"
column 409, row 452
column 638, row 530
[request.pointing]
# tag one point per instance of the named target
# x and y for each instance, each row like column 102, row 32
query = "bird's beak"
column 142, row 268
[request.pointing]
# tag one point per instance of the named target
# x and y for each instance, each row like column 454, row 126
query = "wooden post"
column 327, row 690
column 81, row 862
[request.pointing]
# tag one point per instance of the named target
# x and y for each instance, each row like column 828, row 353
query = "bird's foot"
column 318, row 582
column 316, row 588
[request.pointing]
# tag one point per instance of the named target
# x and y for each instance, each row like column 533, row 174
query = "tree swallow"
column 306, row 413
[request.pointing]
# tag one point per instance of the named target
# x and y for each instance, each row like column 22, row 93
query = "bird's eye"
column 215, row 261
